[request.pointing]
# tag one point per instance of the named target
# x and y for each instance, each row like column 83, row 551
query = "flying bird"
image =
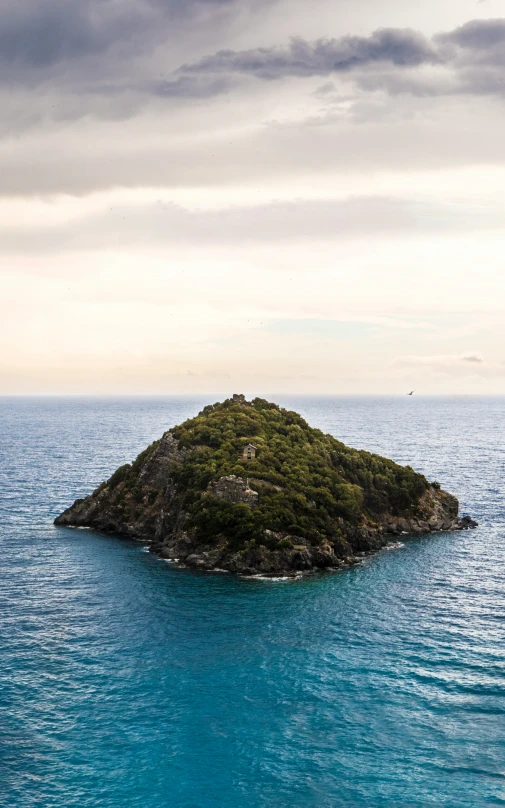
column 411, row 393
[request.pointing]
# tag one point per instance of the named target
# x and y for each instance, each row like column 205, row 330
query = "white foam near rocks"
column 272, row 579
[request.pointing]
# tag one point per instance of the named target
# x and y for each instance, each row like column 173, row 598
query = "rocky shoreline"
column 438, row 513
column 257, row 561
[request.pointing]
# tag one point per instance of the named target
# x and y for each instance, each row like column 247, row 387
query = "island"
column 250, row 488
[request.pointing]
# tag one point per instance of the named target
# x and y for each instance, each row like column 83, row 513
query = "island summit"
column 249, row 487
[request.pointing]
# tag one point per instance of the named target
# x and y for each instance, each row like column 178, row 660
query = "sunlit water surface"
column 126, row 682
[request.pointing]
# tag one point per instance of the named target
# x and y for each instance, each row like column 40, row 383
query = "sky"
column 252, row 195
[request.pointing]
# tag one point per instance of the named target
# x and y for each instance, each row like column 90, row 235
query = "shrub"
column 119, row 475
column 320, row 479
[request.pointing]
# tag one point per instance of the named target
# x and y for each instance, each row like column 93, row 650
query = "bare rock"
column 157, row 469
column 466, row 522
column 235, row 489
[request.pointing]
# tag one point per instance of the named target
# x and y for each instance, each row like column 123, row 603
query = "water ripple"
column 128, row 682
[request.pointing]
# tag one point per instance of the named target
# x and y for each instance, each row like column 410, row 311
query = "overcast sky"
column 251, row 195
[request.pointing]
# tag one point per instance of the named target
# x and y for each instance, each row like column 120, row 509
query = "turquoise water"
column 126, row 682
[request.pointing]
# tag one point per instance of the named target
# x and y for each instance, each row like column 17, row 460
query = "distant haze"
column 220, row 195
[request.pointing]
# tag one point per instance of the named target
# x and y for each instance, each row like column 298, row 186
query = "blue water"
column 126, row 682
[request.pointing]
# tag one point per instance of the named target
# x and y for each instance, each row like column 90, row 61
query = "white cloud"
column 270, row 232
column 459, row 366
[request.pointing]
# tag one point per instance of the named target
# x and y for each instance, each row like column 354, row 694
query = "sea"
column 128, row 682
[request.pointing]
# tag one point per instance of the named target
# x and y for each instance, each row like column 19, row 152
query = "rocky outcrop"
column 156, row 471
column 234, row 489
column 163, row 523
column 134, row 502
column 437, row 510
column 152, row 500
column 289, row 556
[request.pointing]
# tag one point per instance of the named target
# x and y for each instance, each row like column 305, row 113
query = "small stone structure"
column 249, row 452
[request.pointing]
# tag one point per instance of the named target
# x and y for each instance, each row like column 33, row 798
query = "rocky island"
column 251, row 488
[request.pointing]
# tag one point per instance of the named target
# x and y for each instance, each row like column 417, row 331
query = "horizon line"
column 253, row 395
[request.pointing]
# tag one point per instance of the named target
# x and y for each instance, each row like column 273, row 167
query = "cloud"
column 192, row 87
column 451, row 365
column 42, row 33
column 477, row 35
column 297, row 221
column 437, row 359
column 468, row 55
column 112, row 48
column 36, row 36
column 39, row 35
column 404, row 48
column 226, row 144
column 93, row 96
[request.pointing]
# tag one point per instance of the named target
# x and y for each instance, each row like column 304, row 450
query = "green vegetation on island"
column 250, row 487
column 312, row 479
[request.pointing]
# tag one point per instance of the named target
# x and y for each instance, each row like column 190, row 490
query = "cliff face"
column 306, row 501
